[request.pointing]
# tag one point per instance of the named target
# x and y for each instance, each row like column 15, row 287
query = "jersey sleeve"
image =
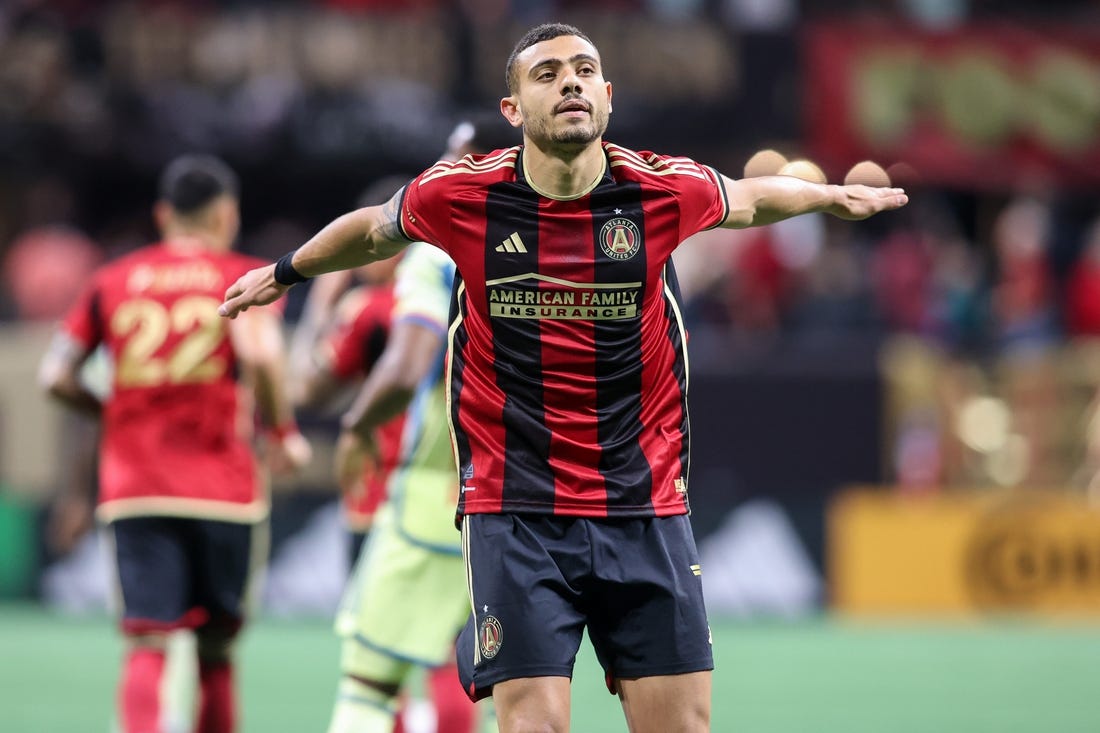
column 701, row 193
column 423, row 291
column 425, row 208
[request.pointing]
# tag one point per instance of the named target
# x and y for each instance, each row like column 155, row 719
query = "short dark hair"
column 190, row 182
column 538, row 34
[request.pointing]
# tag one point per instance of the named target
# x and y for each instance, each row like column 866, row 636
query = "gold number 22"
column 147, row 324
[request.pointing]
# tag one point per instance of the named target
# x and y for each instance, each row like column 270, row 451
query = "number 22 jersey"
column 177, row 426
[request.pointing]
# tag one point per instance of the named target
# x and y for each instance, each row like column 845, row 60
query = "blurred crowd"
column 1020, row 274
column 312, row 101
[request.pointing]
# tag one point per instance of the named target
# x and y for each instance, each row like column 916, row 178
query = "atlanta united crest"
column 490, row 636
column 620, row 239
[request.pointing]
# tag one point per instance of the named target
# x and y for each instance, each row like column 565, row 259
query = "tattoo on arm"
column 391, row 218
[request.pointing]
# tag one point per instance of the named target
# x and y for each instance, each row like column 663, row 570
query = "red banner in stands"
column 991, row 107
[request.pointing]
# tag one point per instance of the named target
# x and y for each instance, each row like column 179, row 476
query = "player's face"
column 561, row 97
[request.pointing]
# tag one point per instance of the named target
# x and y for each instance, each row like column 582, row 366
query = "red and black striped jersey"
column 568, row 362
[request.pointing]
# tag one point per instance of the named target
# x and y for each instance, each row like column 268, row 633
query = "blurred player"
column 568, row 385
column 179, row 489
column 407, row 601
column 338, row 340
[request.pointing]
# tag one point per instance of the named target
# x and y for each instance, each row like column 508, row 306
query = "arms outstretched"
column 356, row 238
column 768, row 199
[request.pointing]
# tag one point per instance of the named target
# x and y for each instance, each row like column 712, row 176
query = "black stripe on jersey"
column 458, row 366
column 628, row 478
column 512, row 209
column 676, row 339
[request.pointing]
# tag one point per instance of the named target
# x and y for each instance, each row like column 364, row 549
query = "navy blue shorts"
column 537, row 582
column 177, row 572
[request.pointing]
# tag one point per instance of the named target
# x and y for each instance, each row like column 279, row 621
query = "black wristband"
column 285, row 274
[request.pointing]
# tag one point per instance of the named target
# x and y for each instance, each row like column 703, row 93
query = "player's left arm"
column 59, row 374
column 768, row 199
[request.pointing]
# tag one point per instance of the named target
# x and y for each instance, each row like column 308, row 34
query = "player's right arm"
column 59, row 374
column 257, row 340
column 365, row 235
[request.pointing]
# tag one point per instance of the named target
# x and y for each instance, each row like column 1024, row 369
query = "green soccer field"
column 57, row 675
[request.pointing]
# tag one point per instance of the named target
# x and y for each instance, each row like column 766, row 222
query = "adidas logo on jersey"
column 512, row 244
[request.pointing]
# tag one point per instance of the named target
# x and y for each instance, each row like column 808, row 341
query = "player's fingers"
column 233, row 290
column 233, row 307
column 896, row 198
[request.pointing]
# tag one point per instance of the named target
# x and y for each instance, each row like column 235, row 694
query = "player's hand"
column 71, row 517
column 255, row 287
column 288, row 453
column 355, row 457
column 857, row 202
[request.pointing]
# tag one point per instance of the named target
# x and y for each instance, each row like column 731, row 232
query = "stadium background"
column 894, row 477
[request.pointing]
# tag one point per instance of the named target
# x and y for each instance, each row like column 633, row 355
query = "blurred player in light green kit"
column 408, row 599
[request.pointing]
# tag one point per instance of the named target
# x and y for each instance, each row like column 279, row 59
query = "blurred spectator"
column 46, row 268
column 1082, row 308
column 836, row 297
column 1024, row 312
column 901, row 273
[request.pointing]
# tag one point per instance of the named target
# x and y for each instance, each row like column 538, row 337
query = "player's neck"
column 188, row 241
column 561, row 174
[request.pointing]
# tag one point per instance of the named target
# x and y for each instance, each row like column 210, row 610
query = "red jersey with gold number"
column 177, row 427
column 568, row 369
column 351, row 352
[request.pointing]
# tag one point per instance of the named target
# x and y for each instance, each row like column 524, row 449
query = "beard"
column 540, row 132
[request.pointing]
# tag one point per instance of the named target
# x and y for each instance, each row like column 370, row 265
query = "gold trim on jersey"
column 650, row 171
column 653, row 160
column 654, row 165
column 470, row 166
column 172, row 506
column 560, row 281
column 449, row 366
column 587, row 190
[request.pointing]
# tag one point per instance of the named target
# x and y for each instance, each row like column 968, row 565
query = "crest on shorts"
column 620, row 239
column 489, row 637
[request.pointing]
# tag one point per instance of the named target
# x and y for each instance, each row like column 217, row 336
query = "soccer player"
column 339, row 339
column 180, row 488
column 407, row 600
column 568, row 385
